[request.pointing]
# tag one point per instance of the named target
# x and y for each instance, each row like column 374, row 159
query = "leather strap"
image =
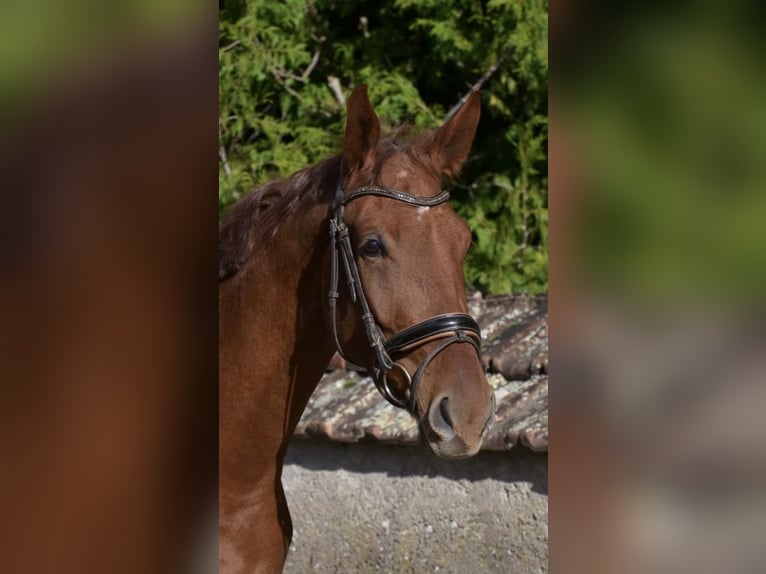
column 449, row 322
column 460, row 337
column 453, row 327
column 391, row 193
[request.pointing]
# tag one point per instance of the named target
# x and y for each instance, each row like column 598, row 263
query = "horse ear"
column 362, row 129
column 453, row 140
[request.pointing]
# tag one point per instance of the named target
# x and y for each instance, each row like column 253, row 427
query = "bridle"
column 448, row 328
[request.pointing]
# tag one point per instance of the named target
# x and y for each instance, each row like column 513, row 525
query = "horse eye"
column 373, row 247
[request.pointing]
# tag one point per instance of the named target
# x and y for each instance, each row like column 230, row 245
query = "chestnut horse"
column 374, row 216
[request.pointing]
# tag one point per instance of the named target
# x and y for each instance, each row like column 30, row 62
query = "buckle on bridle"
column 381, row 381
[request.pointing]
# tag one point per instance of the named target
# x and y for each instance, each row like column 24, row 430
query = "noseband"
column 448, row 328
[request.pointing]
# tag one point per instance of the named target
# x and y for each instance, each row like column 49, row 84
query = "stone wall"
column 368, row 507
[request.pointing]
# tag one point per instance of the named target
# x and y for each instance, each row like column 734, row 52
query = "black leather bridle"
column 448, row 328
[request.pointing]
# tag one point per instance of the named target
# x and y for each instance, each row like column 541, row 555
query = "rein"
column 448, row 328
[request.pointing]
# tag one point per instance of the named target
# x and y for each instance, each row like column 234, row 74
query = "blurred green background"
column 668, row 110
column 284, row 68
column 658, row 278
column 45, row 44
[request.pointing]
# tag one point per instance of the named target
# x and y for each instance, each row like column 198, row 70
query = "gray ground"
column 367, row 507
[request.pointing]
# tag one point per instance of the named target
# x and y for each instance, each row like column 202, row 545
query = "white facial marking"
column 403, row 174
column 422, row 210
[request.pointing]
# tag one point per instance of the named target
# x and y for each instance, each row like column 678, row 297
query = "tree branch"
column 231, row 46
column 222, row 153
column 337, row 90
column 311, row 66
column 480, row 82
column 279, row 78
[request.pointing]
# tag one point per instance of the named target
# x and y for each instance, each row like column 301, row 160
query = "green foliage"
column 283, row 64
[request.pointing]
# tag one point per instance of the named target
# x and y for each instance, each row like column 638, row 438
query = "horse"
column 376, row 216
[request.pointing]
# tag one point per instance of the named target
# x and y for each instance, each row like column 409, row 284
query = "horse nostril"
column 444, row 411
column 439, row 419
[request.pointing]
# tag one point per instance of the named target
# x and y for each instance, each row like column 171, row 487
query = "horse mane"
column 235, row 232
column 257, row 215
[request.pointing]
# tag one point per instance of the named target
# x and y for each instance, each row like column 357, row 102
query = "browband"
column 391, row 193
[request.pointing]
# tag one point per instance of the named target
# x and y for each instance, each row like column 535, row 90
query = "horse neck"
column 273, row 336
column 310, row 343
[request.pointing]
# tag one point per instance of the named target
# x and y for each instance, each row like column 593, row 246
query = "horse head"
column 402, row 248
